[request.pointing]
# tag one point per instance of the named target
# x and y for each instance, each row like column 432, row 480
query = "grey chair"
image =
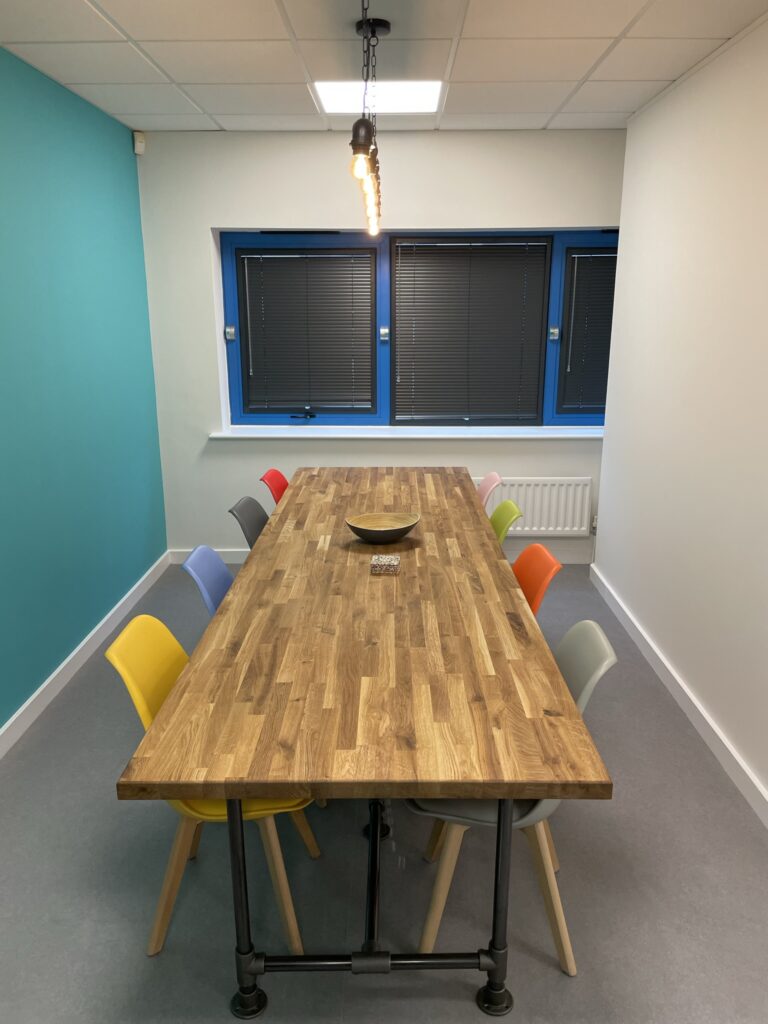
column 584, row 655
column 252, row 518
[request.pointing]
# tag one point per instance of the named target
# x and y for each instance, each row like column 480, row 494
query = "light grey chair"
column 584, row 655
column 252, row 518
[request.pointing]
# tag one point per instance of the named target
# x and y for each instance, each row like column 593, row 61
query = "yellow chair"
column 503, row 516
column 149, row 660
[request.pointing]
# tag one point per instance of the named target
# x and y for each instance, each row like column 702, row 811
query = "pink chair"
column 487, row 486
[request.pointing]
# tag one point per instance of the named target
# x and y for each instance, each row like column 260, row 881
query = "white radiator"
column 551, row 506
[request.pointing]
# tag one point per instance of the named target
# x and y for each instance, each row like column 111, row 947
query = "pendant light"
column 365, row 151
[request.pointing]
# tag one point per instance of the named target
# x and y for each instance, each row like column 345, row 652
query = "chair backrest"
column 502, row 517
column 211, row 575
column 276, row 483
column 584, row 655
column 535, row 568
column 487, row 486
column 149, row 659
column 252, row 518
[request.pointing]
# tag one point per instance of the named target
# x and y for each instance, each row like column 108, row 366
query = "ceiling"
column 249, row 65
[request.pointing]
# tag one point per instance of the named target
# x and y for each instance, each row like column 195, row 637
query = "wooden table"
column 316, row 679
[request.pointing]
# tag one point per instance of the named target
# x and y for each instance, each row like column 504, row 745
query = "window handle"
column 303, row 415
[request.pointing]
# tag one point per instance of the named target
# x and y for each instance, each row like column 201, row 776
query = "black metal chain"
column 368, row 70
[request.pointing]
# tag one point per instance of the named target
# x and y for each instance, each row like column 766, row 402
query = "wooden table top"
column 317, row 679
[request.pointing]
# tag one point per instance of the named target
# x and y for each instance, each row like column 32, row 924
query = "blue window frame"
column 381, row 415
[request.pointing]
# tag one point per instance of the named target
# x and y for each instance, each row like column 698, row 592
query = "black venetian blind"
column 469, row 329
column 586, row 340
column 307, row 329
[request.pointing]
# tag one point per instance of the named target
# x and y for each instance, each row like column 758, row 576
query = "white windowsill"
column 352, row 433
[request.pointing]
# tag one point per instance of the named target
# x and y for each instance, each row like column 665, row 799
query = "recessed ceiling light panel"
column 383, row 97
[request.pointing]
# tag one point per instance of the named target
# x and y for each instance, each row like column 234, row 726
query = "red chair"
column 535, row 568
column 276, row 483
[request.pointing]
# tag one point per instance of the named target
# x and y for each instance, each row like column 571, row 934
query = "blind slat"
column 469, row 323
column 307, row 329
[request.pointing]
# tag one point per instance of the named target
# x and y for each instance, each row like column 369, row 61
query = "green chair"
column 502, row 518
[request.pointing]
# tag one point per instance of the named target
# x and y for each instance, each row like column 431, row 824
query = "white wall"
column 192, row 184
column 682, row 537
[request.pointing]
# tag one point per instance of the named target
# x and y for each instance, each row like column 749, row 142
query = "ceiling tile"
column 228, row 62
column 496, row 19
column 646, row 59
column 604, row 119
column 197, row 19
column 715, row 19
column 335, row 19
column 88, row 62
column 424, row 59
column 271, row 122
column 595, row 97
column 525, row 60
column 168, row 122
column 506, row 97
column 48, row 21
column 493, row 122
column 137, row 99
column 389, row 122
column 253, row 99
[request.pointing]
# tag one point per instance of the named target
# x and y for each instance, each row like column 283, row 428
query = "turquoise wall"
column 81, row 501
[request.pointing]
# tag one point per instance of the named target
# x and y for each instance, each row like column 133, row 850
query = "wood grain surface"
column 317, row 679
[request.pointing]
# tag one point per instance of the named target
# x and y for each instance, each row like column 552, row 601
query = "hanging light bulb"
column 360, row 166
column 362, row 140
column 365, row 153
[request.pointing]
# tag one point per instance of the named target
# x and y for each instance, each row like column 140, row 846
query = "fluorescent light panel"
column 384, row 97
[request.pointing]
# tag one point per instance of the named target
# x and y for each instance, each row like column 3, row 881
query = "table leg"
column 494, row 998
column 249, row 1000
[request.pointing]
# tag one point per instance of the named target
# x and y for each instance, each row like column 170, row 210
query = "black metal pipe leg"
column 249, row 1000
column 494, row 998
column 371, row 941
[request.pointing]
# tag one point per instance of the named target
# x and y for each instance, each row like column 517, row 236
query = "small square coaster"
column 385, row 565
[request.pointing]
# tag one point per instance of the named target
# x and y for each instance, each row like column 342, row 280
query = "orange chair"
column 535, row 568
column 276, row 483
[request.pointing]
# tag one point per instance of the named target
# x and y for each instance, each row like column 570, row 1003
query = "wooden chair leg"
column 436, row 840
column 177, row 861
column 299, row 819
column 536, row 836
column 551, row 845
column 276, row 865
column 196, row 840
column 453, row 835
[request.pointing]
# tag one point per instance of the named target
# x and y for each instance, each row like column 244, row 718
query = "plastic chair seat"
column 216, row 810
column 473, row 812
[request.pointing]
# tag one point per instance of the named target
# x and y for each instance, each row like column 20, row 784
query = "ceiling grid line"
column 460, row 22
column 622, row 35
column 300, row 57
column 531, row 64
column 137, row 46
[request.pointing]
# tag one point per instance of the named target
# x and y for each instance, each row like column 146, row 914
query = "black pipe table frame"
column 250, row 1000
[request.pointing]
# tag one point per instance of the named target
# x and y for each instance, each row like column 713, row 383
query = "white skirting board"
column 232, row 556
column 740, row 773
column 33, row 707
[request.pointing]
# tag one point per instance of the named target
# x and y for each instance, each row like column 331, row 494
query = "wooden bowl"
column 382, row 527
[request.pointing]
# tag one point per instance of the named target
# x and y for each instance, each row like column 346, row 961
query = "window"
column 486, row 328
column 587, row 313
column 469, row 326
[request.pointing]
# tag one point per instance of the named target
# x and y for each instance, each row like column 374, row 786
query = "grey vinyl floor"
column 665, row 887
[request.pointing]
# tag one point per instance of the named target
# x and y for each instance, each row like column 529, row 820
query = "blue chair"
column 211, row 575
